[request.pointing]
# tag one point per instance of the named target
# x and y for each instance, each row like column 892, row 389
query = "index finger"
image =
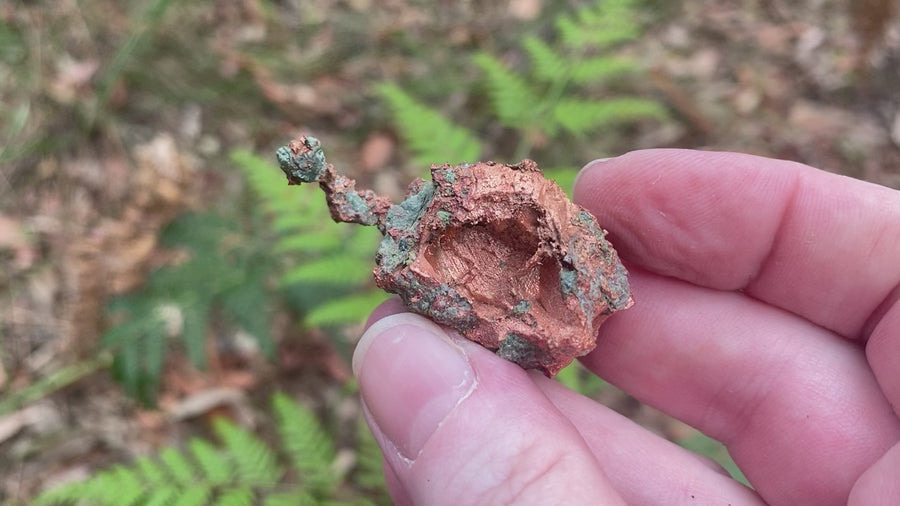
column 822, row 246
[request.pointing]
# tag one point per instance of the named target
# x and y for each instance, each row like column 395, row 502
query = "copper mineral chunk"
column 496, row 252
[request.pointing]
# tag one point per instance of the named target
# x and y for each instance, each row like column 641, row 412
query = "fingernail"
column 411, row 376
column 588, row 166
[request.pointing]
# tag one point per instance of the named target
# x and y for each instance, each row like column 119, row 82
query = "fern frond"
column 163, row 496
column 194, row 316
column 254, row 462
column 339, row 271
column 245, row 470
column 308, row 242
column 513, row 100
column 360, row 244
column 242, row 305
column 215, row 468
column 138, row 343
column 308, row 446
column 151, row 472
column 296, row 498
column 289, row 221
column 548, row 64
column 602, row 25
column 179, row 468
column 117, row 485
column 431, row 137
column 347, row 309
column 601, row 68
column 194, row 496
column 240, row 496
column 369, row 472
column 579, row 116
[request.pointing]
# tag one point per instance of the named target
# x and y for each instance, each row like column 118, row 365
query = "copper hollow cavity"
column 496, row 252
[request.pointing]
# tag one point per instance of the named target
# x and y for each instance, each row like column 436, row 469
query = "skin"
column 767, row 315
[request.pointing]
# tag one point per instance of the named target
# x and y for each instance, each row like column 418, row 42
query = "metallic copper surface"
column 496, row 252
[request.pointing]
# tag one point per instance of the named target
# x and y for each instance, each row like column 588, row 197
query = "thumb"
column 458, row 425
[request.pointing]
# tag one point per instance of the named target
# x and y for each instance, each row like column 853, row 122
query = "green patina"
column 567, row 280
column 588, row 220
column 444, row 216
column 516, row 348
column 522, row 307
column 439, row 302
column 405, row 215
column 617, row 296
column 360, row 208
column 389, row 254
column 307, row 167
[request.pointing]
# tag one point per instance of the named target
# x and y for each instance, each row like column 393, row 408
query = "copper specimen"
column 496, row 252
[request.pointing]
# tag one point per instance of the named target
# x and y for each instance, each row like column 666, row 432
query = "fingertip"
column 411, row 376
column 585, row 172
column 389, row 307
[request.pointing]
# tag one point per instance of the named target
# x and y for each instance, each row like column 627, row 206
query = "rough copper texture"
column 495, row 251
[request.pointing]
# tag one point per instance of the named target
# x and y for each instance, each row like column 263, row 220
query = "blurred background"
column 177, row 323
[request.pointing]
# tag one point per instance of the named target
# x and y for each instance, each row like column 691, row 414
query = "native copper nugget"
column 496, row 252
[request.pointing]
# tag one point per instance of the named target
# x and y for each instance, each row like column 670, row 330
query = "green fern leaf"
column 431, row 137
column 579, row 116
column 514, row 102
column 362, row 243
column 244, row 471
column 247, row 307
column 241, row 496
column 297, row 498
column 548, row 65
column 601, row 68
column 118, row 485
column 336, row 271
column 254, row 462
column 138, row 344
column 290, row 221
column 215, row 469
column 151, row 472
column 309, row 242
column 602, row 25
column 369, row 473
column 198, row 495
column 164, row 496
column 348, row 309
column 306, row 444
column 194, row 315
column 179, row 468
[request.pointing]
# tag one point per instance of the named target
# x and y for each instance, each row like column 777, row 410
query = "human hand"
column 767, row 315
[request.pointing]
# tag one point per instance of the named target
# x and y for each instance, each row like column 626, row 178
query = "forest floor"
column 116, row 120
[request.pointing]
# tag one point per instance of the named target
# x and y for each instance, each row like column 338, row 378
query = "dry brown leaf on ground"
column 114, row 256
column 14, row 239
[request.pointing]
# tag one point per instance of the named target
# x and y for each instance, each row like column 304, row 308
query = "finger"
column 394, row 486
column 883, row 352
column 817, row 244
column 391, row 306
column 796, row 405
column 458, row 425
column 880, row 485
column 643, row 467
